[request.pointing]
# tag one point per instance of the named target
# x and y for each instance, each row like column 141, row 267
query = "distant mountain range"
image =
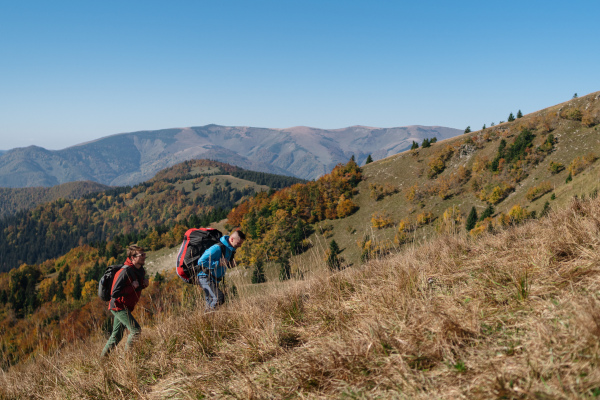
column 130, row 158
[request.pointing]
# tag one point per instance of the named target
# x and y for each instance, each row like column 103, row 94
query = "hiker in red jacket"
column 126, row 291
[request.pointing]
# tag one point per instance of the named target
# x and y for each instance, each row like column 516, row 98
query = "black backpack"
column 195, row 242
column 105, row 284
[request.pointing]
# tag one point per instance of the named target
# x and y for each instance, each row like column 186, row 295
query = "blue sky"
column 74, row 71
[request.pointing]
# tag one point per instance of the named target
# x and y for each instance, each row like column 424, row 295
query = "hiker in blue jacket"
column 214, row 264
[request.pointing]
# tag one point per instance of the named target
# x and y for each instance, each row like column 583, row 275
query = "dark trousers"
column 214, row 296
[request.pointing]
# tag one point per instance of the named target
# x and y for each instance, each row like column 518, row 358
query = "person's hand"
column 146, row 282
column 135, row 284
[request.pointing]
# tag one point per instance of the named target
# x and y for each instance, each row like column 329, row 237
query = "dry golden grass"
column 510, row 315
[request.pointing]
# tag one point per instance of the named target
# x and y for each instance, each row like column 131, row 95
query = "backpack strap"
column 223, row 248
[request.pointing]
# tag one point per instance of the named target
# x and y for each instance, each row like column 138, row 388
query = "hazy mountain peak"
column 129, row 158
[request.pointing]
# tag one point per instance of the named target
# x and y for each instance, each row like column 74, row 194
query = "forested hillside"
column 509, row 315
column 17, row 199
column 146, row 211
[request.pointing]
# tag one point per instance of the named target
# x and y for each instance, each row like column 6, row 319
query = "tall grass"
column 510, row 315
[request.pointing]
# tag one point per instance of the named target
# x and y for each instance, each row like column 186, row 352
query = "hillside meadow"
column 462, row 269
column 512, row 314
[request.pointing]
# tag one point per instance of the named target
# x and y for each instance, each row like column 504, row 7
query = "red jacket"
column 123, row 295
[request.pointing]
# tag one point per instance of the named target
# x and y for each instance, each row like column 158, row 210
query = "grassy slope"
column 405, row 169
column 511, row 315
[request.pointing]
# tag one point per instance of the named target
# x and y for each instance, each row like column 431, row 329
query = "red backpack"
column 195, row 242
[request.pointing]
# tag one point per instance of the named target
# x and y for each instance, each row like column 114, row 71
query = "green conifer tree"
column 333, row 261
column 546, row 209
column 468, row 129
column 77, row 286
column 488, row 212
column 511, row 117
column 369, row 160
column 471, row 219
column 60, row 291
column 425, row 143
column 433, row 140
column 569, row 178
column 414, row 146
column 62, row 275
column 483, row 128
column 519, row 114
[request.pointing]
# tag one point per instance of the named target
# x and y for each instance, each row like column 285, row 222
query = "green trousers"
column 123, row 319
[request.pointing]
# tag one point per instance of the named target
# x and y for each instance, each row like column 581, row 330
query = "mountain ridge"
column 130, row 158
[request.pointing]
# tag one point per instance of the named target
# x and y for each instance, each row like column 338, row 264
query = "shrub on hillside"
column 404, row 228
column 572, row 113
column 378, row 192
column 332, row 259
column 494, row 193
column 548, row 122
column 555, row 167
column 424, row 218
column 538, row 191
column 370, row 248
column 515, row 216
column 590, row 117
column 437, row 163
column 485, row 225
column 548, row 144
column 451, row 221
column 413, row 193
column 345, row 207
column 381, row 220
column 579, row 164
column 436, row 166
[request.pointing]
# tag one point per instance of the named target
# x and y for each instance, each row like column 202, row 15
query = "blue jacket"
column 211, row 259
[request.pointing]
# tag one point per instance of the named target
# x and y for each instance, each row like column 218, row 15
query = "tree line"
column 52, row 229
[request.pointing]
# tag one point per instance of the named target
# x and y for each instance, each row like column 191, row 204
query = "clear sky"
column 74, row 71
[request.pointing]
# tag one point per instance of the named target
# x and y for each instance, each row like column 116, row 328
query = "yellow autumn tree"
column 451, row 221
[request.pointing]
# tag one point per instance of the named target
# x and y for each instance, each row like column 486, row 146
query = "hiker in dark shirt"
column 126, row 291
column 214, row 264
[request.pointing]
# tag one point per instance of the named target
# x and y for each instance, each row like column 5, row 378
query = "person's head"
column 137, row 255
column 236, row 239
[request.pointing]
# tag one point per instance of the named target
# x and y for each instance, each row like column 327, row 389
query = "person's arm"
column 211, row 258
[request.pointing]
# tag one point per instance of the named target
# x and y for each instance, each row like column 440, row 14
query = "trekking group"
column 203, row 259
